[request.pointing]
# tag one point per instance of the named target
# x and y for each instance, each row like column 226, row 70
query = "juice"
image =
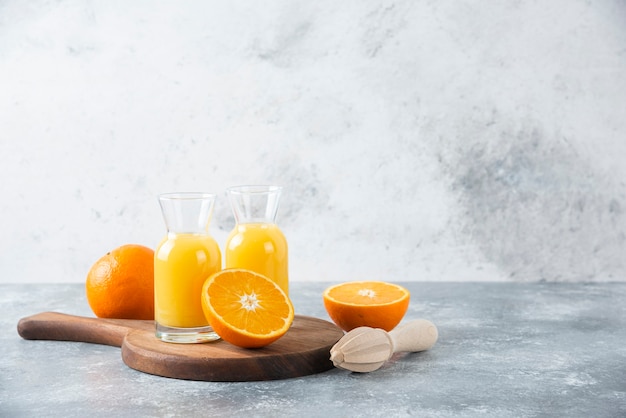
column 260, row 247
column 182, row 263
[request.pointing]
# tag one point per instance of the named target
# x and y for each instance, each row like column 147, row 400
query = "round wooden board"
column 303, row 350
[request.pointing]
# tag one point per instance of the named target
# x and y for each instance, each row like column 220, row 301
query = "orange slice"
column 366, row 304
column 245, row 308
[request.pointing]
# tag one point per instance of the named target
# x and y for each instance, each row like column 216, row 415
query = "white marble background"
column 416, row 140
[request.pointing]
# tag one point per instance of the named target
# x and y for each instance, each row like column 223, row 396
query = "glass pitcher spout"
column 254, row 204
column 187, row 212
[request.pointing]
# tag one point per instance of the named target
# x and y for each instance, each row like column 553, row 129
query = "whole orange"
column 366, row 304
column 121, row 283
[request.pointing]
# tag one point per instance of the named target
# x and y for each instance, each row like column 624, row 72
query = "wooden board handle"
column 63, row 327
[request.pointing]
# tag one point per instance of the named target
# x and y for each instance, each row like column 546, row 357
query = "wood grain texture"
column 303, row 350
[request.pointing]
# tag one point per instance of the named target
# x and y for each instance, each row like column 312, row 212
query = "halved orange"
column 246, row 308
column 366, row 304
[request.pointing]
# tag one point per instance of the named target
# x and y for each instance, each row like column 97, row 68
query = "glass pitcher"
column 184, row 259
column 257, row 243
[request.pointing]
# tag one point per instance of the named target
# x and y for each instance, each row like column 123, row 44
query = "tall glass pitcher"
column 257, row 243
column 184, row 259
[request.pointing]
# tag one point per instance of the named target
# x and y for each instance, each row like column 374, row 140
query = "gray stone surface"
column 505, row 350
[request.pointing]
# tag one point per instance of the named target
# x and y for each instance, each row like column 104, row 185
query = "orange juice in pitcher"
column 182, row 262
column 257, row 243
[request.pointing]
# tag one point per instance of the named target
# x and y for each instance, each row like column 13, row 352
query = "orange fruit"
column 366, row 304
column 246, row 308
column 121, row 283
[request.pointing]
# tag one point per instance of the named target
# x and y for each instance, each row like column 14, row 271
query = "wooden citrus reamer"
column 366, row 349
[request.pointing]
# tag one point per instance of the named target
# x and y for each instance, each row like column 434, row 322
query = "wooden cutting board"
column 303, row 350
